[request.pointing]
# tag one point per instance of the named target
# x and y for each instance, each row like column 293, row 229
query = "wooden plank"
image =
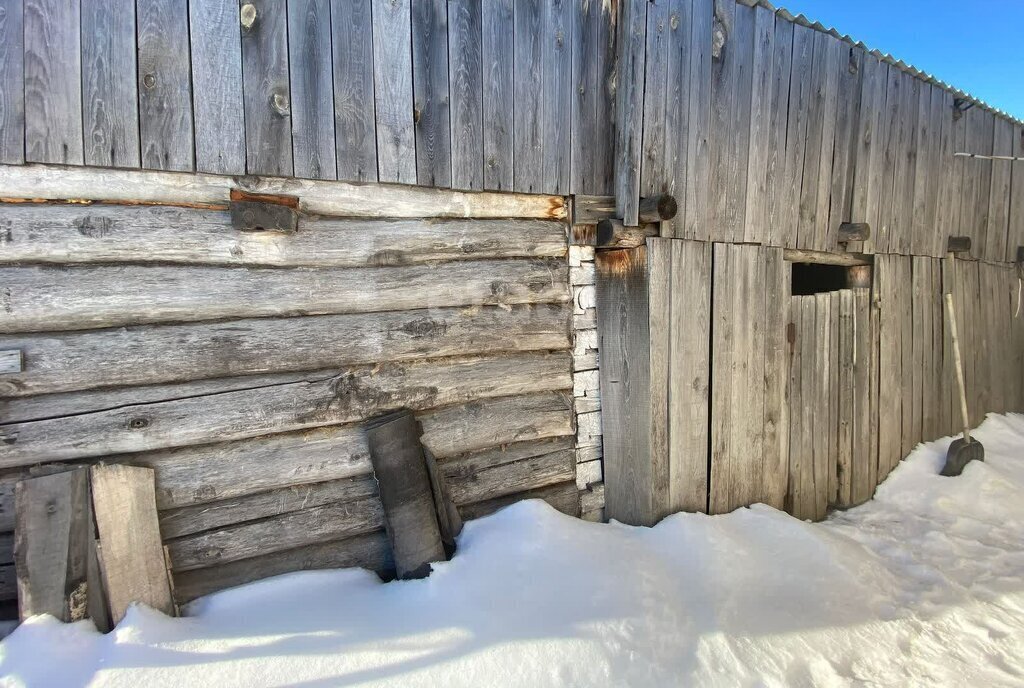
column 134, row 570
column 556, row 86
column 697, row 80
column 731, row 85
column 996, row 244
column 884, row 231
column 265, row 89
column 623, row 328
column 497, row 48
column 563, row 497
column 921, row 323
column 927, row 305
column 217, row 87
column 12, row 82
column 430, row 90
column 862, row 470
column 510, row 477
column 86, row 297
column 659, row 313
column 354, row 123
column 629, row 91
column 867, row 174
column 465, row 78
column 926, row 177
column 315, row 197
column 53, row 89
column 800, row 490
column 528, row 108
column 312, row 90
column 593, row 106
column 823, row 465
column 370, row 551
column 164, row 85
column 817, row 163
column 689, row 381
column 110, row 111
column 281, row 404
column 890, row 395
column 777, row 298
column 796, row 135
column 393, row 91
column 777, row 203
column 160, row 234
column 943, row 107
column 911, row 410
column 1015, row 233
column 755, row 228
column 677, row 113
column 906, row 154
column 655, row 167
column 848, row 108
column 53, row 536
column 983, row 138
column 150, row 355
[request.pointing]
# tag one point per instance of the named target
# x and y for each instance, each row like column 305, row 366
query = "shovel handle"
column 951, row 313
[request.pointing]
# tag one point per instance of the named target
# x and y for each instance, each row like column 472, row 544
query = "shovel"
column 964, row 449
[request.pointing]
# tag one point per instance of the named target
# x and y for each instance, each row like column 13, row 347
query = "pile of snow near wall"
column 924, row 585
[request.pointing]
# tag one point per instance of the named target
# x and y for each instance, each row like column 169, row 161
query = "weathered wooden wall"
column 240, row 365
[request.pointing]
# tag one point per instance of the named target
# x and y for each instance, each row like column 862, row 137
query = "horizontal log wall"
column 240, row 366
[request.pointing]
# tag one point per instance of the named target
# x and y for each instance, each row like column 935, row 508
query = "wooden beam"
column 612, row 233
column 587, row 210
column 958, row 244
column 658, row 208
column 824, row 258
column 854, row 231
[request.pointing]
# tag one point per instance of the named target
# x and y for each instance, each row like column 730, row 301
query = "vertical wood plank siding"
column 12, row 82
column 312, row 88
column 354, row 124
column 266, row 89
column 53, row 90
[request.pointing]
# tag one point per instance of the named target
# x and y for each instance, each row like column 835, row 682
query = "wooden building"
column 425, row 181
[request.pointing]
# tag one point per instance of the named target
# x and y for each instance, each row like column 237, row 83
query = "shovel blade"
column 960, row 454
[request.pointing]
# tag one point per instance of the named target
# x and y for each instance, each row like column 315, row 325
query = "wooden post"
column 658, row 208
column 405, row 493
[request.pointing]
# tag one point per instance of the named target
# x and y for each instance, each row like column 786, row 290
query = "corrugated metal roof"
column 884, row 57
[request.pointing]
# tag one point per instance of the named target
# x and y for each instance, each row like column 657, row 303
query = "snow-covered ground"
column 922, row 586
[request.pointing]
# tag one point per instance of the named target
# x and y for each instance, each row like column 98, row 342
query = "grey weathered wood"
column 999, row 197
column 591, row 209
column 846, row 393
column 775, row 462
column 210, row 515
column 623, row 327
column 369, row 551
column 6, row 549
column 110, row 105
column 958, row 244
column 657, row 208
column 497, row 25
column 12, row 81
column 817, row 174
column 164, row 85
column 217, row 86
column 800, row 488
column 261, row 216
column 465, row 78
column 613, row 234
column 528, row 110
column 53, row 88
column 556, row 86
column 629, row 111
column 593, row 106
column 777, row 204
column 926, row 175
column 1015, row 233
column 787, row 213
column 529, row 473
column 762, row 64
column 848, row 112
column 161, row 234
column 53, row 536
column 689, row 378
column 853, row 231
column 355, row 127
column 825, row 258
column 393, row 91
column 870, row 146
column 659, row 355
column 150, row 355
column 315, row 197
column 49, row 298
column 563, row 497
column 266, row 89
column 280, row 404
column 864, row 466
column 459, row 470
column 697, row 80
column 132, row 561
column 298, row 528
column 890, row 347
column 430, row 91
column 312, row 88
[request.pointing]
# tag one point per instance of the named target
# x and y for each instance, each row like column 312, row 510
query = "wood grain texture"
column 432, row 118
column 312, row 88
column 528, row 111
column 217, row 87
column 53, row 88
column 164, row 85
column 556, row 93
column 86, row 297
column 777, row 204
column 355, row 126
column 563, row 497
column 698, row 155
column 762, row 63
column 280, row 404
column 110, row 111
column 12, row 81
column 593, row 103
column 132, row 562
column 176, row 353
column 498, row 59
column 266, row 90
column 629, row 109
column 465, row 78
column 393, row 91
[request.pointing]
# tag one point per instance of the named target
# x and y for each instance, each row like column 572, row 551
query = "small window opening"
column 816, row 278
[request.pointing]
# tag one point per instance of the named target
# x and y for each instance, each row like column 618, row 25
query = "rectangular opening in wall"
column 818, row 278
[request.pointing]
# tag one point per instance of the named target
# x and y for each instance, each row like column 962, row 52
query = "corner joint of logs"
column 612, row 233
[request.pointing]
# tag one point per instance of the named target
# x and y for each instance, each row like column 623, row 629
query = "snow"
column 922, row 586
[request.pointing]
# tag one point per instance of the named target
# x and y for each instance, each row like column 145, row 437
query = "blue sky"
column 975, row 45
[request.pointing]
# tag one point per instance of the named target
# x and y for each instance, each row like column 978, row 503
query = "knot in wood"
column 717, row 40
column 149, row 81
column 138, row 423
column 247, row 15
column 279, row 102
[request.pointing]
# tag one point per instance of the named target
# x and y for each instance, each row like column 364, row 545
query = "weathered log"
column 73, row 233
column 149, row 354
column 588, row 210
column 824, row 258
column 259, row 216
column 317, row 197
column 958, row 244
column 563, row 497
column 40, row 299
column 613, row 234
column 854, row 231
column 858, row 276
column 370, row 551
column 317, row 399
column 499, row 480
column 658, row 208
column 405, row 493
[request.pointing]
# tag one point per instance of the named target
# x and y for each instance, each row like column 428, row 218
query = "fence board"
column 165, row 88
column 354, row 123
column 796, row 133
column 312, row 94
column 1015, row 233
column 867, row 182
column 498, row 25
column 629, row 109
column 999, row 198
column 393, row 91
column 556, row 125
column 466, row 84
column 778, row 206
column 432, row 120
column 12, row 82
column 848, row 113
column 217, row 87
column 110, row 106
column 755, row 227
column 593, row 107
column 821, row 122
column 698, row 153
column 53, row 88
column 266, row 89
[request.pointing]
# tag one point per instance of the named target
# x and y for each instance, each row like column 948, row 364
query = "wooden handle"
column 959, row 366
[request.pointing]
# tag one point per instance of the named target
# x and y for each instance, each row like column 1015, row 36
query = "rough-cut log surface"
column 562, row 496
column 370, row 551
column 281, row 404
column 316, row 197
column 71, row 233
column 154, row 354
column 483, row 478
column 46, row 298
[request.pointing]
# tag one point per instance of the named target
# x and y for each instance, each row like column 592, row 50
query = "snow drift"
column 922, row 586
